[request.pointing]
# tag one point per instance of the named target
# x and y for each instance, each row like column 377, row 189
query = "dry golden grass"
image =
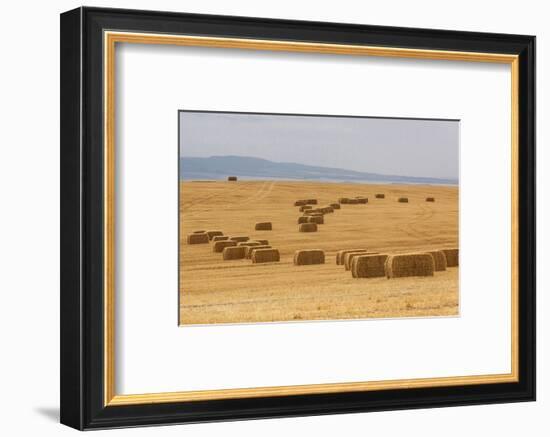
column 214, row 291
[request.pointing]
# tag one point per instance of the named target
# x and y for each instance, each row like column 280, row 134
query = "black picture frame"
column 82, row 215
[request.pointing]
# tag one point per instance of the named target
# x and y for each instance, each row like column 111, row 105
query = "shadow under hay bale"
column 340, row 255
column 212, row 234
column 305, row 208
column 362, row 199
column 300, row 203
column 348, row 258
column 199, row 232
column 219, row 246
column 311, row 202
column 265, row 256
column 452, row 257
column 220, row 238
column 412, row 264
column 233, row 252
column 232, row 178
column 380, row 196
column 196, row 238
column 302, row 219
column 308, row 227
column 440, row 261
column 309, row 257
column 430, row 199
column 319, row 219
column 249, row 250
column 263, row 226
column 239, row 239
column 403, row 200
column 335, row 206
column 368, row 266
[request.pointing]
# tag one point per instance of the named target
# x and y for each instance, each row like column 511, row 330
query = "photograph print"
column 301, row 217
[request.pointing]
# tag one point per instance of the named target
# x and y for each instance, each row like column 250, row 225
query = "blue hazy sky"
column 404, row 147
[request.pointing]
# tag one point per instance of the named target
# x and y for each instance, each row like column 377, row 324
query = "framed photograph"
column 270, row 218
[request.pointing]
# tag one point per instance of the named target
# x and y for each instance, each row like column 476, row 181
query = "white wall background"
column 29, row 214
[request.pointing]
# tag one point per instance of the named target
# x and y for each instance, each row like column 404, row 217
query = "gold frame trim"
column 110, row 40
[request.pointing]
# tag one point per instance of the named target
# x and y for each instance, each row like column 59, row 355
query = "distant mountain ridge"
column 219, row 167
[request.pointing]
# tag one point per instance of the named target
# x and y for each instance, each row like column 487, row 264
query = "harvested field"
column 239, row 291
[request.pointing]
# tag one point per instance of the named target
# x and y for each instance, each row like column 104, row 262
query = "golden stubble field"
column 217, row 291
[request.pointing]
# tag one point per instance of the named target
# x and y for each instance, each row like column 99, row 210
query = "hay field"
column 237, row 291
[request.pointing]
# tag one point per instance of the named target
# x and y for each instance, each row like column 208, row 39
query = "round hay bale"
column 239, row 239
column 248, row 243
column 300, row 203
column 335, row 206
column 327, row 210
column 440, row 261
column 311, row 212
column 212, row 234
column 220, row 238
column 341, row 253
column 199, row 232
column 219, row 246
column 265, row 256
column 319, row 219
column 451, row 255
column 308, row 227
column 348, row 258
column 263, row 226
column 233, row 252
column 368, row 266
column 249, row 250
column 196, row 238
column 311, row 202
column 403, row 200
column 262, row 242
column 362, row 199
column 309, row 257
column 380, row 196
column 412, row 264
column 343, row 200
column 302, row 219
column 353, row 201
column 430, row 199
column 305, row 207
column 232, row 178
